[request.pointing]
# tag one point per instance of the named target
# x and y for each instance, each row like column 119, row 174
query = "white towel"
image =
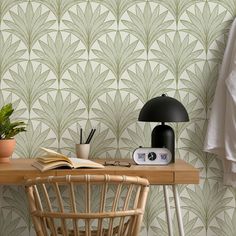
column 221, row 132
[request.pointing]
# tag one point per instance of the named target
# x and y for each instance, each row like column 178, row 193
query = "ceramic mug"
column 82, row 150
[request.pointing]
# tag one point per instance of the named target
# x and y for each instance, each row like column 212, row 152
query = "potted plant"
column 8, row 130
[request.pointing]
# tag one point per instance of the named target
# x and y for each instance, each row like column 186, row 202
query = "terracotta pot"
column 7, row 147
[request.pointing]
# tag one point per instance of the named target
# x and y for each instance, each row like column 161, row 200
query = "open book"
column 52, row 160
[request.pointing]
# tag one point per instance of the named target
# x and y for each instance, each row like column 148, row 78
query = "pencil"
column 90, row 135
column 81, row 140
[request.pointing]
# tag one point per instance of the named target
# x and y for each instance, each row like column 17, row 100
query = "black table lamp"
column 163, row 109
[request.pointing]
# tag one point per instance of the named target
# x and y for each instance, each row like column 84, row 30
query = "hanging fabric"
column 221, row 132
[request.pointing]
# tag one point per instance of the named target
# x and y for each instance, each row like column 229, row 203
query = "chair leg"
column 178, row 210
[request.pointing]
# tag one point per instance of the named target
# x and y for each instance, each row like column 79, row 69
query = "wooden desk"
column 18, row 170
column 180, row 172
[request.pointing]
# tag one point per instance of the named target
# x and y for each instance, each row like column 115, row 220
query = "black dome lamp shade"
column 163, row 109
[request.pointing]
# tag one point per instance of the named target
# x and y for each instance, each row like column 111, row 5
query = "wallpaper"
column 71, row 64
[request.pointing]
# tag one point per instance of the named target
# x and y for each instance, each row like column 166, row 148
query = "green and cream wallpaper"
column 67, row 64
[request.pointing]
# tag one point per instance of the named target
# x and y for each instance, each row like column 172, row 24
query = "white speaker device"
column 152, row 156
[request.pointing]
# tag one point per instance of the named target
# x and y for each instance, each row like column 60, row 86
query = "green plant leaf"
column 8, row 128
column 30, row 25
column 17, row 111
column 148, row 25
column 88, row 25
column 88, row 84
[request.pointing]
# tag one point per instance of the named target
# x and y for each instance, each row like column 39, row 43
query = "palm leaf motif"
column 17, row 202
column 177, row 55
column 206, row 202
column 193, row 112
column 206, row 25
column 202, row 83
column 117, row 114
column 192, row 160
column 118, row 7
column 99, row 144
column 58, row 114
column 89, row 25
column 148, row 25
column 59, row 55
column 195, row 142
column 225, row 226
column 10, row 225
column 177, row 7
column 191, row 227
column 28, row 143
column 117, row 55
column 217, row 170
column 154, row 206
column 219, row 51
column 30, row 25
column 5, row 5
column 229, row 5
column 147, row 83
column 9, row 54
column 141, row 136
column 29, row 85
column 88, row 84
column 59, row 7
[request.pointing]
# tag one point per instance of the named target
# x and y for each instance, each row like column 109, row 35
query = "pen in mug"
column 90, row 136
column 81, row 138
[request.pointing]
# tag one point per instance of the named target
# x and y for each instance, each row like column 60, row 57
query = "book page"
column 53, row 159
column 53, row 156
column 78, row 163
column 53, row 153
column 43, row 167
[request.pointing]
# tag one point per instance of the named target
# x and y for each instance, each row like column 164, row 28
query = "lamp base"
column 163, row 136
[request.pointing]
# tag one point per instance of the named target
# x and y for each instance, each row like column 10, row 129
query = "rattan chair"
column 87, row 205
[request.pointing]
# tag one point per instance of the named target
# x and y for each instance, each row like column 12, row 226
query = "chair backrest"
column 87, row 205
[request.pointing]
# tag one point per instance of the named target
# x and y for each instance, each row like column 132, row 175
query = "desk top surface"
column 180, row 172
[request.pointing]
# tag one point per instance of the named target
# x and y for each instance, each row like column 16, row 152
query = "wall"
column 74, row 63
